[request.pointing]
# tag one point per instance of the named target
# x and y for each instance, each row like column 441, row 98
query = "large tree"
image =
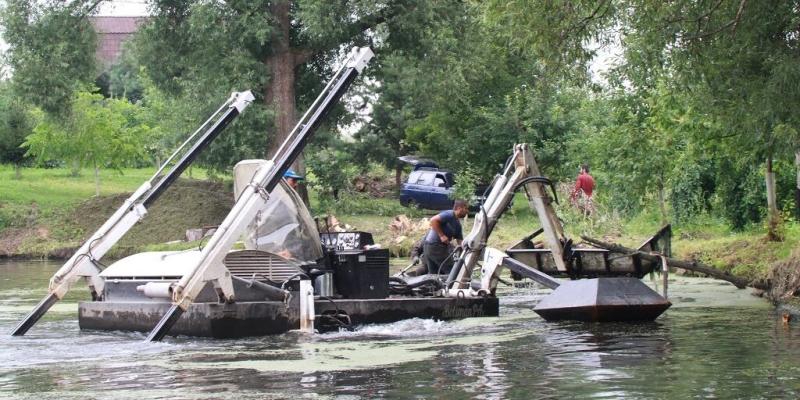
column 743, row 59
column 51, row 50
column 199, row 51
column 99, row 133
column 462, row 97
column 283, row 50
column 736, row 60
column 15, row 124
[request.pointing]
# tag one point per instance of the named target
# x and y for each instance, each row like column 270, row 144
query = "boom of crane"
column 210, row 267
column 520, row 171
column 85, row 263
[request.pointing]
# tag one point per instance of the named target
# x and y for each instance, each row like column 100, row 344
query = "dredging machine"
column 295, row 274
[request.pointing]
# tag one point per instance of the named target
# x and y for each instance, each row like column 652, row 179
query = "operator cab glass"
column 285, row 228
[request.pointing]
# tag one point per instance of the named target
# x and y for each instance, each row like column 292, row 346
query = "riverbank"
column 48, row 214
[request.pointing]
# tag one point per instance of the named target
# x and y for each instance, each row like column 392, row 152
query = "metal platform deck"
column 259, row 318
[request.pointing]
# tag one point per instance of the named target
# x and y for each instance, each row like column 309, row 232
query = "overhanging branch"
column 363, row 24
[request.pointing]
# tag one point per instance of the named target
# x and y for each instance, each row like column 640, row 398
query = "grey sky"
column 123, row 8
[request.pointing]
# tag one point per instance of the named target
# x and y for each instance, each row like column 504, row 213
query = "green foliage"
column 98, row 133
column 466, row 183
column 463, row 99
column 693, row 186
column 123, row 80
column 200, row 48
column 383, row 137
column 51, row 50
column 196, row 51
column 705, row 91
column 741, row 194
column 553, row 32
column 170, row 119
column 354, row 203
column 15, row 124
column 714, row 76
column 331, row 166
column 196, row 54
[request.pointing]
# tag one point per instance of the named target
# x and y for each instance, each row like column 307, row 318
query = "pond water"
column 715, row 342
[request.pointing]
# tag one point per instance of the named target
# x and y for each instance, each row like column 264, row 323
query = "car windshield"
column 425, row 178
column 413, row 176
column 285, row 228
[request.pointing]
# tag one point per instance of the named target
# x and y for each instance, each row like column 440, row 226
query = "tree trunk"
column 280, row 92
column 96, row 181
column 398, row 176
column 662, row 202
column 773, row 216
column 76, row 169
column 280, row 95
column 797, row 185
column 18, row 172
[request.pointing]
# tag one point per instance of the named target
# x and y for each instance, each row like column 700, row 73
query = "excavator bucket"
column 592, row 300
column 602, row 300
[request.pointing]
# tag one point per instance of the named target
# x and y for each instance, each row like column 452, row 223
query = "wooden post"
column 662, row 202
column 773, row 216
column 96, row 180
column 772, row 201
column 307, row 313
column 797, row 185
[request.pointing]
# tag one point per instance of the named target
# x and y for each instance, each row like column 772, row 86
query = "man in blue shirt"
column 445, row 227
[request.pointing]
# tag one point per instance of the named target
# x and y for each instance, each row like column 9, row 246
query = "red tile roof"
column 116, row 24
column 111, row 33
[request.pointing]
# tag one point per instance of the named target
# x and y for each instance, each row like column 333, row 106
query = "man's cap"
column 291, row 174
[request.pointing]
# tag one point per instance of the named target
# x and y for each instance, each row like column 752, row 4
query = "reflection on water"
column 716, row 342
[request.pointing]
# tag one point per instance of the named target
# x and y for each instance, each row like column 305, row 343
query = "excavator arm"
column 85, row 262
column 210, row 268
column 520, row 171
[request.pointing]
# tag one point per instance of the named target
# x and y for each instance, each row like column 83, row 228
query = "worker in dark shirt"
column 445, row 227
column 581, row 196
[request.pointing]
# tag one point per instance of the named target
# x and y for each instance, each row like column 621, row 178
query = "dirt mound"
column 784, row 278
column 187, row 204
column 12, row 238
column 405, row 233
column 376, row 186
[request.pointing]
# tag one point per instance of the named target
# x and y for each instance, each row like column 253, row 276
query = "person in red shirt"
column 581, row 196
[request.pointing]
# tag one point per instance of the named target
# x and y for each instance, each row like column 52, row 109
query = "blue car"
column 430, row 187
